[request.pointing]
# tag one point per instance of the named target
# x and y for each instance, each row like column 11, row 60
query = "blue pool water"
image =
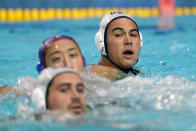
column 162, row 99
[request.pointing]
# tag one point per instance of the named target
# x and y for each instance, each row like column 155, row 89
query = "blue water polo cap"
column 45, row 44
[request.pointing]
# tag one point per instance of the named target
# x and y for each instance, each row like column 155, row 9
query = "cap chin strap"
column 134, row 71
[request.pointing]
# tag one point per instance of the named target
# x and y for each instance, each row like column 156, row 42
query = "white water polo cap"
column 106, row 20
column 46, row 76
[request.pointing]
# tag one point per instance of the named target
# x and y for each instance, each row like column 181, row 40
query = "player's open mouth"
column 128, row 54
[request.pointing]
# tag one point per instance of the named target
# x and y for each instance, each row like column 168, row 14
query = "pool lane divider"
column 18, row 15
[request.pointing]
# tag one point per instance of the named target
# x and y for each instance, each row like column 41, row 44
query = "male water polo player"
column 119, row 42
column 60, row 89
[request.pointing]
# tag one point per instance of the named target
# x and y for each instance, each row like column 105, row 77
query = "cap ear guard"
column 99, row 41
column 39, row 66
column 84, row 61
column 141, row 39
column 38, row 99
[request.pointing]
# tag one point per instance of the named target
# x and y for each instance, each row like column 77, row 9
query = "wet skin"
column 67, row 92
column 64, row 52
column 123, row 44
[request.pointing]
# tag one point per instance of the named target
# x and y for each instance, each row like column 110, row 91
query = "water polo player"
column 119, row 42
column 60, row 89
column 60, row 51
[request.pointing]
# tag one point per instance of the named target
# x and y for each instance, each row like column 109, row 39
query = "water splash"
column 132, row 103
column 137, row 102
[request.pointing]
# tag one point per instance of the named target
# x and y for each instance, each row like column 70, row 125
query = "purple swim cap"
column 45, row 44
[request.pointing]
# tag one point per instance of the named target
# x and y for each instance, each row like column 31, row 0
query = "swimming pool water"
column 162, row 99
